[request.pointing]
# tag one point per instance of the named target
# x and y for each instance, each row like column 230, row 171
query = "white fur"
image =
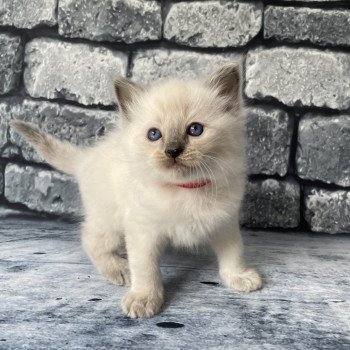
column 130, row 196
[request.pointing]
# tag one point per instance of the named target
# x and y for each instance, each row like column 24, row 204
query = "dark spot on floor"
column 39, row 253
column 17, row 268
column 95, row 299
column 210, row 283
column 58, row 298
column 2, row 339
column 169, row 325
column 337, row 301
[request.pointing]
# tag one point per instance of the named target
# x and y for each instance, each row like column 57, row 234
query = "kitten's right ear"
column 126, row 91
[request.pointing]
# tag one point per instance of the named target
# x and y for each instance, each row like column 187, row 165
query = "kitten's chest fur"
column 194, row 226
column 187, row 217
column 116, row 195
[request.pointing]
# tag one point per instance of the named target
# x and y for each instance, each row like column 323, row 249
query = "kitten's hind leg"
column 104, row 246
column 233, row 270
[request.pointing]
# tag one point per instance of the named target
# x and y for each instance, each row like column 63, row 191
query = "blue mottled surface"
column 52, row 298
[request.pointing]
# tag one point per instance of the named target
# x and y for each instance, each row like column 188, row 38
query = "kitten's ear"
column 227, row 82
column 126, row 91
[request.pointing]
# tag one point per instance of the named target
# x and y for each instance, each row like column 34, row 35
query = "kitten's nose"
column 173, row 152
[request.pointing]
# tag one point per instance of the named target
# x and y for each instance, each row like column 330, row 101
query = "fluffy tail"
column 60, row 154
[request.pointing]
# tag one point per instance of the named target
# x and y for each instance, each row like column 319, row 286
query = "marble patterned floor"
column 52, row 298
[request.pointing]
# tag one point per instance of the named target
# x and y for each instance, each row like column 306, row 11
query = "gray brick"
column 81, row 126
column 269, row 135
column 324, row 149
column 271, row 203
column 328, row 211
column 157, row 64
column 11, row 60
column 321, row 26
column 111, row 20
column 1, row 180
column 42, row 190
column 213, row 23
column 76, row 72
column 28, row 14
column 299, row 77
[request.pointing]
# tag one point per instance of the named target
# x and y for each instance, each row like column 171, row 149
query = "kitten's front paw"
column 245, row 281
column 142, row 305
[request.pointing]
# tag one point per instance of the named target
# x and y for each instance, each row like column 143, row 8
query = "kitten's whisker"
column 223, row 173
column 215, row 181
column 219, row 161
column 212, row 180
column 197, row 189
column 222, row 167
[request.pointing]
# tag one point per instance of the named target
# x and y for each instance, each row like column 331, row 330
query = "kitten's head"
column 178, row 131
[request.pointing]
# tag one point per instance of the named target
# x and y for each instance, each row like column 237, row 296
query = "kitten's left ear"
column 227, row 82
column 126, row 91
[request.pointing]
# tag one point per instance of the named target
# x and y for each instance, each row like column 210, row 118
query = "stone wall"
column 57, row 59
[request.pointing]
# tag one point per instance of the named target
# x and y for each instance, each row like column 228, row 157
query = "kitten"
column 173, row 170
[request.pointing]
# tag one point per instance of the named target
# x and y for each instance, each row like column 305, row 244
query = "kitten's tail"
column 60, row 154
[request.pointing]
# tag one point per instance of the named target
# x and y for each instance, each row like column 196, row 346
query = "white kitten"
column 173, row 170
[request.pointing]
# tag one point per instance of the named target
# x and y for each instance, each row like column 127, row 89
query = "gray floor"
column 52, row 298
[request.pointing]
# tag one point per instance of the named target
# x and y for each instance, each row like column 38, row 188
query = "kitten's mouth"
column 175, row 164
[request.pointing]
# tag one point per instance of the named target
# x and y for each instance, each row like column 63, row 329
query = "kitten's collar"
column 191, row 185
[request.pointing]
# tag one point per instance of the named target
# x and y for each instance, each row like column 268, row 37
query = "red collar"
column 192, row 185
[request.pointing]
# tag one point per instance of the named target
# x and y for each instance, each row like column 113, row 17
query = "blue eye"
column 154, row 134
column 195, row 129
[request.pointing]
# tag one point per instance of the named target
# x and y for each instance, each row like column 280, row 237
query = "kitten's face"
column 181, row 131
column 178, row 129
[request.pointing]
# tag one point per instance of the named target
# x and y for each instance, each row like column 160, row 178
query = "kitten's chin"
column 174, row 166
column 177, row 171
column 181, row 176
